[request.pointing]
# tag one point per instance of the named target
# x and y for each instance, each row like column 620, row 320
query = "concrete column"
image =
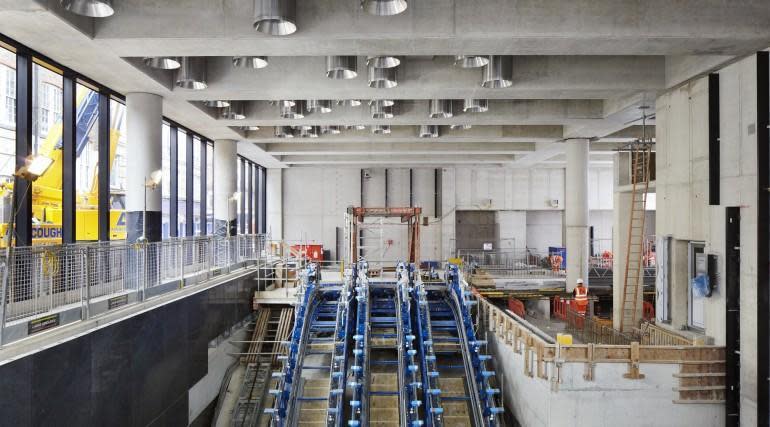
column 144, row 116
column 275, row 204
column 225, row 176
column 576, row 211
column 448, row 206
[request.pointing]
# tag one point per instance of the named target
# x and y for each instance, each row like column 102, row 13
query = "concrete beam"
column 431, row 27
column 406, row 149
column 402, row 159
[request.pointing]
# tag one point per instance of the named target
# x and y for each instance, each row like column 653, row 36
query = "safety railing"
column 589, row 329
column 43, row 280
column 655, row 335
column 514, row 263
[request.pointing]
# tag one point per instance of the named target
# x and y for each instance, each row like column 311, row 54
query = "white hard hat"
column 580, row 281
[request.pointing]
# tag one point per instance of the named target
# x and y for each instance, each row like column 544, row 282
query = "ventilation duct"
column 428, row 131
column 192, row 73
column 349, row 102
column 355, row 127
column 331, row 130
column 311, row 132
column 471, row 61
column 250, row 61
column 440, row 109
column 90, row 8
column 342, row 67
column 498, row 73
column 382, row 78
column 384, row 102
column 384, row 7
column 236, row 111
column 284, row 132
column 460, row 127
column 275, row 17
column 381, row 129
column 318, row 106
column 162, row 62
column 217, row 104
column 475, row 105
column 383, row 61
column 380, row 111
column 291, row 109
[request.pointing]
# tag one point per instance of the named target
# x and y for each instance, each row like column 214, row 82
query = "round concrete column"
column 225, row 176
column 144, row 121
column 576, row 211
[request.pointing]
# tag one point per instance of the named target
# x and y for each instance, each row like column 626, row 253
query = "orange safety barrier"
column 517, row 307
column 648, row 311
column 560, row 306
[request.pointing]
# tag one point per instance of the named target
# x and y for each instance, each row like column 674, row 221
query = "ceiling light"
column 428, row 131
column 249, row 61
column 498, row 73
column 382, row 78
column 162, row 62
column 383, row 61
column 440, row 109
column 301, row 127
column 380, row 111
column 355, row 127
column 90, row 8
column 331, row 130
column 341, row 67
column 250, row 128
column 349, row 102
column 318, row 106
column 312, row 132
column 275, row 17
column 217, row 104
column 384, row 102
column 284, row 132
column 471, row 61
column 475, row 105
column 384, row 7
column 192, row 73
column 291, row 109
column 460, row 127
column 381, row 129
column 236, row 111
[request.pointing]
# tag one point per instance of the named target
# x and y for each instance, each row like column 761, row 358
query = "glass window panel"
column 118, row 172
column 46, row 141
column 87, row 152
column 238, row 201
column 197, row 185
column 165, row 182
column 7, row 131
column 182, row 181
column 210, row 188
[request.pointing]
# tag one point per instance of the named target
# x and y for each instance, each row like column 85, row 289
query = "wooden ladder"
column 634, row 273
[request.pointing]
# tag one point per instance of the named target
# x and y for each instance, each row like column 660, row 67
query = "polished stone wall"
column 134, row 373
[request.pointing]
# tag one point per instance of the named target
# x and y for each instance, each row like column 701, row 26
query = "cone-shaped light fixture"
column 291, row 109
column 192, row 73
column 249, row 128
column 349, row 102
column 383, row 61
column 440, row 109
column 90, row 8
column 460, row 127
column 384, row 102
column 382, row 78
column 162, row 62
column 236, row 111
column 311, row 132
column 471, row 61
column 341, row 67
column 384, row 7
column 318, row 106
column 249, row 61
column 284, row 132
column 217, row 104
column 275, row 17
column 475, row 105
column 330, row 130
column 381, row 129
column 428, row 131
column 498, row 73
column 380, row 111
column 355, row 127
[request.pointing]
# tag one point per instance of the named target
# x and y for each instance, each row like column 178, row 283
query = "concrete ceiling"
column 582, row 69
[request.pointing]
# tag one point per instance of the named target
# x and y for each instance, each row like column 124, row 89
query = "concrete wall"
column 682, row 201
column 315, row 199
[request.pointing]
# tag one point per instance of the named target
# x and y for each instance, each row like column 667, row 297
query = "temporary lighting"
column 440, row 109
column 349, row 102
column 162, row 62
column 275, row 17
column 330, row 130
column 380, row 111
column 382, row 78
column 217, row 104
column 498, row 73
column 291, row 109
column 384, row 102
column 459, row 127
column 384, row 7
column 475, row 105
column 318, row 106
column 249, row 61
column 381, row 129
column 154, row 179
column 192, row 73
column 90, row 8
column 312, row 132
column 471, row 61
column 284, row 132
column 428, row 131
column 34, row 167
column 383, row 61
column 236, row 111
column 341, row 67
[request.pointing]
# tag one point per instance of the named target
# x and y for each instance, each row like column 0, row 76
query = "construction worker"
column 581, row 297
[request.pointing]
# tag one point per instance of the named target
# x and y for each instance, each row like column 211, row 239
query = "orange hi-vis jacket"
column 581, row 295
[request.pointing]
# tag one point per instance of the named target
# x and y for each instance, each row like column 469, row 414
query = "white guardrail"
column 47, row 286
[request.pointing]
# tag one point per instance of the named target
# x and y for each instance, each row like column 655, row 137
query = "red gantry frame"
column 410, row 216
